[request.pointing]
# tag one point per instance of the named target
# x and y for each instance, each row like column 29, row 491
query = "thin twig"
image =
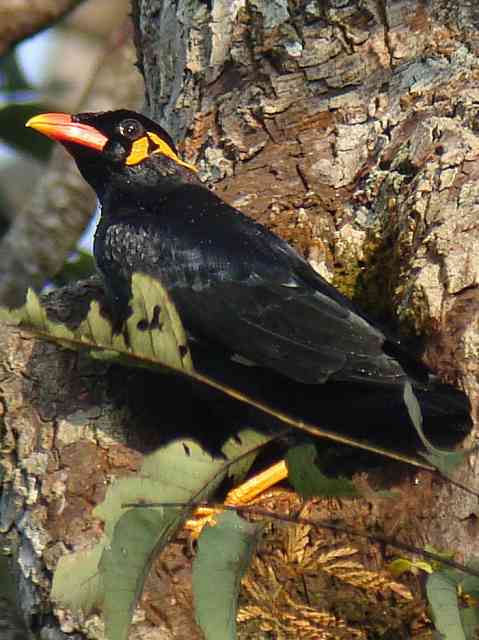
column 264, row 513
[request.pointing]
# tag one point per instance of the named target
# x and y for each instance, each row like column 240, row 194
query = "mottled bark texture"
column 35, row 475
column 70, row 425
column 350, row 128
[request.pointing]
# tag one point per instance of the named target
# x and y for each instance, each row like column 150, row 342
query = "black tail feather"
column 376, row 413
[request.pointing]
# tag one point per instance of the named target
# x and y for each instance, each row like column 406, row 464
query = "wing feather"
column 295, row 332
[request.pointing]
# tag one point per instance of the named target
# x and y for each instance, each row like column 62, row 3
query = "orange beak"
column 61, row 127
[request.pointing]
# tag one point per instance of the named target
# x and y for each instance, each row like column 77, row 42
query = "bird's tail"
column 391, row 415
column 383, row 414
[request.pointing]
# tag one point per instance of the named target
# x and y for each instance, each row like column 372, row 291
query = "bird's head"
column 118, row 150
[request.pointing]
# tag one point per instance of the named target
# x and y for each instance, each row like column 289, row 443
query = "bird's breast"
column 125, row 249
column 179, row 261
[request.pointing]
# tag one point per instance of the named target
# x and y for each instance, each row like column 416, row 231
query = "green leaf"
column 307, row 478
column 224, row 554
column 113, row 572
column 402, row 565
column 470, row 584
column 470, row 621
column 441, row 589
column 443, row 460
column 155, row 335
column 182, row 472
column 86, row 591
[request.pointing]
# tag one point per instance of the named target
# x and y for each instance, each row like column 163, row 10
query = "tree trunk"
column 349, row 128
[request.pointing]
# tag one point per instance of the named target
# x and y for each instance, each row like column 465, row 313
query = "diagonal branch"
column 20, row 19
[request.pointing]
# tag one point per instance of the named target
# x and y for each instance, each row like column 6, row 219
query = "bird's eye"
column 131, row 129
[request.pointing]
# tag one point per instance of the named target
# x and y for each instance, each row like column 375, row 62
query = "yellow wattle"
column 140, row 150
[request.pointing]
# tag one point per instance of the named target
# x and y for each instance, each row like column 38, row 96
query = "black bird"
column 235, row 283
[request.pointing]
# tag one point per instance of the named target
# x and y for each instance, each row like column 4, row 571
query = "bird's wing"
column 236, row 283
column 294, row 330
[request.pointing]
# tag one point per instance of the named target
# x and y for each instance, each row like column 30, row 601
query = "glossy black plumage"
column 234, row 282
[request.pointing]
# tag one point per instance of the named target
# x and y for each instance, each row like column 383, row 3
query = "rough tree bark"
column 350, row 128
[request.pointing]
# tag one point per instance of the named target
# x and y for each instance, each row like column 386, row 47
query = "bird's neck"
column 115, row 199
column 123, row 194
